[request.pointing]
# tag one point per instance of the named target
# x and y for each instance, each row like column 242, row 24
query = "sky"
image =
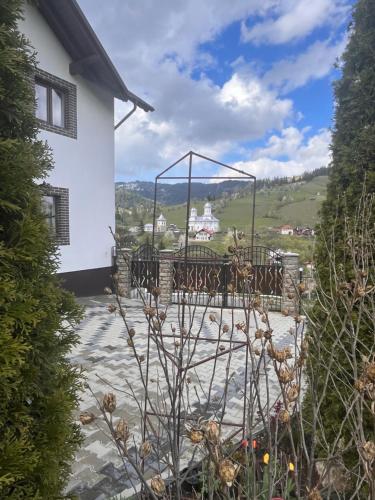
column 246, row 82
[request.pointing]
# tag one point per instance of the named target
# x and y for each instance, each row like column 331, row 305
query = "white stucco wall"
column 84, row 165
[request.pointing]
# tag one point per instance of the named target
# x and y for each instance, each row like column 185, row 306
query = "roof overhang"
column 89, row 58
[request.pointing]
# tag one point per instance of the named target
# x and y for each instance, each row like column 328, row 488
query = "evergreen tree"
column 352, row 172
column 38, row 386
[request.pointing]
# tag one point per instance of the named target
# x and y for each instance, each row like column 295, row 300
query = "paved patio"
column 107, row 359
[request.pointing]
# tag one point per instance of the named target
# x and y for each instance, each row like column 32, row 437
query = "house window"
column 55, row 206
column 56, row 104
column 50, row 104
column 49, row 209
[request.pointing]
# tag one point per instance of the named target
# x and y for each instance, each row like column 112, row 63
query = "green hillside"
column 296, row 204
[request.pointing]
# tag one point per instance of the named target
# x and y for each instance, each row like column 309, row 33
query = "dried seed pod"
column 111, row 308
column 173, row 328
column 301, row 287
column 195, row 435
column 158, row 486
column 156, row 292
column 109, row 402
column 188, row 380
column 107, row 290
column 314, row 495
column 257, row 351
column 162, row 315
column 268, row 334
column 285, row 375
column 368, row 451
column 86, row 418
column 284, row 416
column 184, row 331
column 145, row 449
column 130, row 342
column 212, row 431
column 370, row 372
column 285, row 312
column 177, row 343
column 131, row 332
column 292, row 393
column 290, row 296
column 149, row 311
column 259, row 333
column 121, row 291
column 297, row 318
column 122, row 431
column 360, row 291
column 212, row 317
column 225, row 328
column 141, row 358
column 222, row 348
column 227, row 471
column 360, row 385
column 231, row 249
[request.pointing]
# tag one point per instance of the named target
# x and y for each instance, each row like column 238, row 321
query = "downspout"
column 126, row 116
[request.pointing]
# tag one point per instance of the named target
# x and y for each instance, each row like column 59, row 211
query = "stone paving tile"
column 98, row 471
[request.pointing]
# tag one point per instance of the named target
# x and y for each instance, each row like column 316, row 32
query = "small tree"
column 352, row 174
column 38, row 386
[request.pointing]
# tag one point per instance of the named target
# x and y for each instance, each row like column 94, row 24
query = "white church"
column 205, row 221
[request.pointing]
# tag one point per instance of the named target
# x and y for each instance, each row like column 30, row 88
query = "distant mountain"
column 174, row 194
column 130, row 194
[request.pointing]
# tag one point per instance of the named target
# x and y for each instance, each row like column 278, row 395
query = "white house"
column 148, row 228
column 75, row 86
column 204, row 235
column 205, row 221
column 286, row 230
column 161, row 224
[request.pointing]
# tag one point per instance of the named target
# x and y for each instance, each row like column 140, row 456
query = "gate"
column 205, row 276
column 145, row 268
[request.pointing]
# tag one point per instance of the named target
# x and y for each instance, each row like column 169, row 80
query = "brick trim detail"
column 61, row 195
column 70, row 103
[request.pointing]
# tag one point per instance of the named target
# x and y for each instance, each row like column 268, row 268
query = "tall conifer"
column 352, row 174
column 38, row 386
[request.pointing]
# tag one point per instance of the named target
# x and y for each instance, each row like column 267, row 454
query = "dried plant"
column 280, row 447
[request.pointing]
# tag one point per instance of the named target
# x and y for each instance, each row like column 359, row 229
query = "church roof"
column 161, row 217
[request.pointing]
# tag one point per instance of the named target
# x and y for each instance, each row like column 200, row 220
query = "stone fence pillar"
column 166, row 276
column 124, row 263
column 290, row 301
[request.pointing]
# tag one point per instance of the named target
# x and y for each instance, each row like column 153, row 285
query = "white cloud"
column 316, row 62
column 156, row 45
column 290, row 20
column 198, row 115
column 298, row 154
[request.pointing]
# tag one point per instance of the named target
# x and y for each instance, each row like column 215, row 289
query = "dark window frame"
column 49, row 103
column 69, row 104
column 61, row 201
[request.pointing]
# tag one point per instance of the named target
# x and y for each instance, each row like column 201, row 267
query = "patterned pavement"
column 110, row 366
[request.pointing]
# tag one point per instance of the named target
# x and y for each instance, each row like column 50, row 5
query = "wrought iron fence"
column 145, row 269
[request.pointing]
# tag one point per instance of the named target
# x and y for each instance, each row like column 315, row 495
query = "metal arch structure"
column 176, row 417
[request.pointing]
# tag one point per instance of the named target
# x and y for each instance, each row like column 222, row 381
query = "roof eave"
column 94, row 64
